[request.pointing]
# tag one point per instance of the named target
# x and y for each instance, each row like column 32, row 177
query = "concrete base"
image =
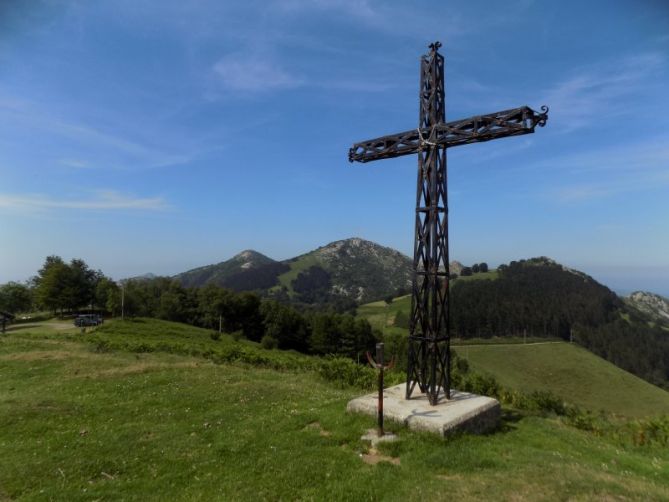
column 463, row 412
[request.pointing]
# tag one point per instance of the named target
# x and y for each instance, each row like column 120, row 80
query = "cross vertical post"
column 429, row 361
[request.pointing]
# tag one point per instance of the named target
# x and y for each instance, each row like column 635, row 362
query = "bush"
column 269, row 342
column 215, row 335
column 344, row 372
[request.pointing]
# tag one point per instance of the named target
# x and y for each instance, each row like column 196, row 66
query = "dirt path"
column 500, row 344
column 57, row 325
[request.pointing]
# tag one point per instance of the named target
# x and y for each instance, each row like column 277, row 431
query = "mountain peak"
column 251, row 254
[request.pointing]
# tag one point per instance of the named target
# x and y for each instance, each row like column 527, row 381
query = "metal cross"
column 429, row 332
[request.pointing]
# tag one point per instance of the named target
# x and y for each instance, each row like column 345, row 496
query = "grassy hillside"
column 570, row 372
column 297, row 265
column 382, row 316
column 76, row 423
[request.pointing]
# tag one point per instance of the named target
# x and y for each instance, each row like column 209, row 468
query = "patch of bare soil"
column 57, row 325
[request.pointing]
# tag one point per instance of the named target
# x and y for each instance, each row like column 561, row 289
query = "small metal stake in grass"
column 379, row 364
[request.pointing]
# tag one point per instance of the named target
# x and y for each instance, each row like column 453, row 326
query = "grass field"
column 570, row 372
column 76, row 424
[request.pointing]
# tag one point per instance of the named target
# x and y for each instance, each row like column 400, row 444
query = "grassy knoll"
column 570, row 372
column 76, row 424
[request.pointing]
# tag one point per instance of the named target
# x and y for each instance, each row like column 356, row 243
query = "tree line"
column 70, row 287
column 535, row 297
column 272, row 323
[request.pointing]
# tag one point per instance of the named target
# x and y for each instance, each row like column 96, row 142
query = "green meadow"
column 86, row 420
column 571, row 373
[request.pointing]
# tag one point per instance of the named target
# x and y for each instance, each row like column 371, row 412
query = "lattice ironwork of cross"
column 428, row 364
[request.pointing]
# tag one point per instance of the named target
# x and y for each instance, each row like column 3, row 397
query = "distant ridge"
column 355, row 270
column 220, row 273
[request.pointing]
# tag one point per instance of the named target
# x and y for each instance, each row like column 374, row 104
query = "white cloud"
column 239, row 72
column 107, row 200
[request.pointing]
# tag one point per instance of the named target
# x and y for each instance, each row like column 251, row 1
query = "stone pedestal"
column 463, row 412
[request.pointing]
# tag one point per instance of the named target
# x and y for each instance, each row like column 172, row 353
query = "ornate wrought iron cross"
column 429, row 332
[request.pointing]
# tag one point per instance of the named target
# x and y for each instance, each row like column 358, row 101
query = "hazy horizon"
column 622, row 281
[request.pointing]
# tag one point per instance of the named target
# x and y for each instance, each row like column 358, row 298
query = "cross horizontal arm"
column 513, row 122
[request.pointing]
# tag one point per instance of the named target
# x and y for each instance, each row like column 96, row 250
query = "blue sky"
column 159, row 136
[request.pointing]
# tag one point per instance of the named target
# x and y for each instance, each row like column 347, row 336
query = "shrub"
column 344, row 372
column 269, row 342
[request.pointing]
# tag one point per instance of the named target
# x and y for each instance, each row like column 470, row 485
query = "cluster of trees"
column 262, row 320
column 474, row 269
column 59, row 287
column 540, row 298
column 15, row 297
column 633, row 345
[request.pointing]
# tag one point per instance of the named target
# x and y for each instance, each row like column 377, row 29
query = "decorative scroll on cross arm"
column 515, row 122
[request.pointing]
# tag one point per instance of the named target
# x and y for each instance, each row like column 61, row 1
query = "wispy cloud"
column 607, row 188
column 601, row 90
column 362, row 9
column 247, row 73
column 106, row 200
column 75, row 163
column 37, row 117
column 647, row 156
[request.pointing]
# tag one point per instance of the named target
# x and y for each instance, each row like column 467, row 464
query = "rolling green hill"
column 85, row 421
column 570, row 372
